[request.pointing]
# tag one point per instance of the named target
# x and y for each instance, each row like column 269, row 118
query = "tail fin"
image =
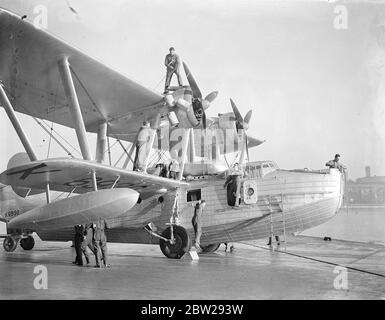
column 17, row 160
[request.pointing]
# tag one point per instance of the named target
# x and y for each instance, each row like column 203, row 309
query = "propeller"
column 199, row 105
column 242, row 124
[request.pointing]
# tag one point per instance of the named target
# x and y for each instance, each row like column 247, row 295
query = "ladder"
column 278, row 208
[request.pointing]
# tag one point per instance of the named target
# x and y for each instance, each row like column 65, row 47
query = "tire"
column 10, row 244
column 210, row 248
column 180, row 247
column 27, row 243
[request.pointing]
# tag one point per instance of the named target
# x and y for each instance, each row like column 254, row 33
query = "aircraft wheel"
column 27, row 243
column 210, row 248
column 180, row 247
column 10, row 244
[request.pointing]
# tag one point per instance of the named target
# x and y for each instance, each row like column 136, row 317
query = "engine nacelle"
column 188, row 115
column 226, row 121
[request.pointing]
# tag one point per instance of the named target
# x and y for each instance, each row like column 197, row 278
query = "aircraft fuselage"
column 301, row 199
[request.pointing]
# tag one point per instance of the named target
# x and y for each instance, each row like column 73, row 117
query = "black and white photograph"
column 203, row 151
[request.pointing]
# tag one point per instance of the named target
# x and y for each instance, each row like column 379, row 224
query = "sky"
column 315, row 90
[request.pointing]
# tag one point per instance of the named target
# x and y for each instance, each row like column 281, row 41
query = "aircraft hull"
column 303, row 200
column 78, row 209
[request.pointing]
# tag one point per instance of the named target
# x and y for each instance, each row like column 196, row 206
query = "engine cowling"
column 182, row 102
column 226, row 121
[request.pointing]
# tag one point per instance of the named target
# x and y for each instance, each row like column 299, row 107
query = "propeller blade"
column 193, row 85
column 211, row 97
column 248, row 116
column 237, row 114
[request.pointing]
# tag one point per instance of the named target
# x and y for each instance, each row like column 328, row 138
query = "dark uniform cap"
column 337, row 155
column 172, row 48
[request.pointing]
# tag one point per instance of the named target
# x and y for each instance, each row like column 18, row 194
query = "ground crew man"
column 100, row 242
column 276, row 239
column 197, row 222
column 237, row 188
column 164, row 171
column 79, row 237
column 174, row 169
column 141, row 146
column 336, row 164
column 172, row 63
column 87, row 241
column 229, row 247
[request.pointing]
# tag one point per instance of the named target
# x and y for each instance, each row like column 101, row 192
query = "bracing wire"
column 42, row 122
column 97, row 108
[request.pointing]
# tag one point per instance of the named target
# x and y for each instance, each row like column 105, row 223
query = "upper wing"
column 69, row 175
column 29, row 71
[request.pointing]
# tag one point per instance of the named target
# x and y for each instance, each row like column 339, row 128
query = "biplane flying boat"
column 46, row 78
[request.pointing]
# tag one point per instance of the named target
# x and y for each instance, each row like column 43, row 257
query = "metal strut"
column 16, row 124
column 69, row 89
column 70, row 92
column 185, row 144
column 101, row 142
column 20, row 132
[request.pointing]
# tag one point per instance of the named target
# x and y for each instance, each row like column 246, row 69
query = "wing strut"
column 76, row 113
column 70, row 92
column 185, row 144
column 16, row 124
column 20, row 132
column 101, row 142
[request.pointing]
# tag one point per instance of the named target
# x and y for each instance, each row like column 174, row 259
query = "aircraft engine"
column 189, row 104
column 226, row 121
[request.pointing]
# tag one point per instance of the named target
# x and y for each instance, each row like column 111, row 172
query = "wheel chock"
column 191, row 255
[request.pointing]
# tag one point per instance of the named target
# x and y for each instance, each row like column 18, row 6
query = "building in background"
column 369, row 190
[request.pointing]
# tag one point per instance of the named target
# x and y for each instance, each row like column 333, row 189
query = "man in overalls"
column 88, row 241
column 172, row 63
column 141, row 147
column 100, row 242
column 79, row 237
column 197, row 223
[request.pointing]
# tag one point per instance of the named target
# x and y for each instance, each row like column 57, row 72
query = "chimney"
column 367, row 171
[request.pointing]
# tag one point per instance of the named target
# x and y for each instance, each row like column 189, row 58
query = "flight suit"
column 233, row 186
column 174, row 169
column 141, row 147
column 172, row 62
column 197, row 223
column 79, row 237
column 100, row 241
column 237, row 189
column 87, row 241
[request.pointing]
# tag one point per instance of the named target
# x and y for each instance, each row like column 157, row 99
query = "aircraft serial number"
column 12, row 213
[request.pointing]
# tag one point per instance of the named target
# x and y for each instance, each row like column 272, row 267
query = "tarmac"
column 310, row 268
